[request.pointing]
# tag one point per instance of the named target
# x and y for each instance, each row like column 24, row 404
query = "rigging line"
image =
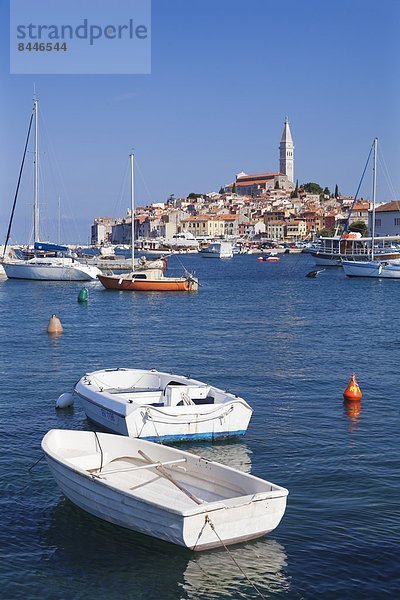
column 387, row 175
column 118, row 202
column 144, row 181
column 18, row 184
column 57, row 172
column 356, row 195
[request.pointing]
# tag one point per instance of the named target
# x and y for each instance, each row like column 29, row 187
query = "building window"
column 397, row 221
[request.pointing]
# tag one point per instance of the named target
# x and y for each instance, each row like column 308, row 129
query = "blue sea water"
column 287, row 344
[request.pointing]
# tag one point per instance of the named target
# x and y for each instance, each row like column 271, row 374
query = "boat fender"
column 65, row 400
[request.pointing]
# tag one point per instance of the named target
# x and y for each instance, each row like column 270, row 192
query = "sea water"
column 287, row 344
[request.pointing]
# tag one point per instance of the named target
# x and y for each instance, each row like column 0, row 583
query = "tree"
column 336, row 191
column 359, row 227
column 327, row 192
column 313, row 188
column 234, row 188
column 221, row 190
column 276, row 186
column 295, row 192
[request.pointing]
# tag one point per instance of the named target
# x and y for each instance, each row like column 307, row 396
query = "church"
column 256, row 185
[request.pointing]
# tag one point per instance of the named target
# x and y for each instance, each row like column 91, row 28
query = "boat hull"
column 162, row 425
column 51, row 272
column 198, row 411
column 167, row 284
column 377, row 269
column 148, row 504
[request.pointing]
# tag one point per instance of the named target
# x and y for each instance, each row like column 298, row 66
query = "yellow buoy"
column 54, row 325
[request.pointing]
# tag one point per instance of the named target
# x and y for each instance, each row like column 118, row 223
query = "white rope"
column 208, row 520
column 186, row 416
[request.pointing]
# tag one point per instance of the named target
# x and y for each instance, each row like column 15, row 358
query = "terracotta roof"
column 389, row 207
column 266, row 176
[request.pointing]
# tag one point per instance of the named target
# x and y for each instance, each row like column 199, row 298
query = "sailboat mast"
column 36, row 234
column 374, row 199
column 133, row 212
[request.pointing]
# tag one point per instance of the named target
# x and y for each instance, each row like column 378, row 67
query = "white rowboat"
column 159, row 406
column 160, row 491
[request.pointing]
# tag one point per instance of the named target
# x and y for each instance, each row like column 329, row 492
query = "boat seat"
column 88, row 462
column 208, row 400
column 131, row 390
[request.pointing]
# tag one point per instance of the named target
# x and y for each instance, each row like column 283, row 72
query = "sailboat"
column 51, row 262
column 149, row 280
column 373, row 267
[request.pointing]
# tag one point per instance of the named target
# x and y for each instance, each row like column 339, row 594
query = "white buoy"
column 65, row 400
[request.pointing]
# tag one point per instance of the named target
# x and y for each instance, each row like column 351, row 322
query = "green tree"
column 327, row 192
column 336, row 191
column 234, row 188
column 313, row 188
column 276, row 186
column 360, row 227
column 295, row 192
column 221, row 190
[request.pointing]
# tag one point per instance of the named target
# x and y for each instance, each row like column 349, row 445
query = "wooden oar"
column 165, row 474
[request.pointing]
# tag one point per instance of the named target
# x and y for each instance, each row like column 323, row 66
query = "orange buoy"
column 54, row 325
column 352, row 392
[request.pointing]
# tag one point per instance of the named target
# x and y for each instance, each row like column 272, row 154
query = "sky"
column 224, row 75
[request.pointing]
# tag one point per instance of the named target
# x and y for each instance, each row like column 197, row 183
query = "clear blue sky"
column 224, row 76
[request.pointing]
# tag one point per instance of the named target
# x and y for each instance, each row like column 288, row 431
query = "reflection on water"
column 215, row 575
column 126, row 561
column 352, row 409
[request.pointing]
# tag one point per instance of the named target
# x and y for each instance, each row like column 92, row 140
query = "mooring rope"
column 208, row 520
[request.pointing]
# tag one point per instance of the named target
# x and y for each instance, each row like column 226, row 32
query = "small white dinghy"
column 160, row 491
column 160, row 406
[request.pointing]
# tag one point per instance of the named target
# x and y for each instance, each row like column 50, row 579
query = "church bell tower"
column 286, row 153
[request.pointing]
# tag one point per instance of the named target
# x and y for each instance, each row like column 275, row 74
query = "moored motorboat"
column 161, row 406
column 268, row 258
column 160, row 491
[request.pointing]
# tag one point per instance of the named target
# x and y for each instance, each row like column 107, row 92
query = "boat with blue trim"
column 159, row 406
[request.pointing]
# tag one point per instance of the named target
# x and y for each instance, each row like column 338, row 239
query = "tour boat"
column 51, row 262
column 146, row 280
column 161, row 491
column 161, row 406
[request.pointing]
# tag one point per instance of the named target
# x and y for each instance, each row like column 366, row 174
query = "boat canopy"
column 46, row 247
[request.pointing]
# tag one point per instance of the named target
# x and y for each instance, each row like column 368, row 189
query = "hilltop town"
column 265, row 206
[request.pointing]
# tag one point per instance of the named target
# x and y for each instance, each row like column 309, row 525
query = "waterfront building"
column 276, row 230
column 101, row 230
column 296, row 230
column 387, row 219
